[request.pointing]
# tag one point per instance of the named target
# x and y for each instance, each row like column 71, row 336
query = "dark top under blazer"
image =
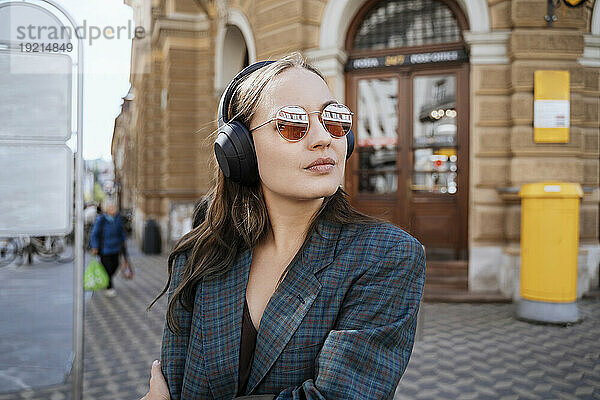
column 247, row 345
column 340, row 326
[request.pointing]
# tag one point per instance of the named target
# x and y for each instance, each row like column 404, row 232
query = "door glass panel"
column 434, row 134
column 376, row 135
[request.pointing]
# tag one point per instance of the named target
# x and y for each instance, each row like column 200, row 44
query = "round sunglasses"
column 293, row 122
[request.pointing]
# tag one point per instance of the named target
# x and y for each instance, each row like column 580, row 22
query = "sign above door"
column 396, row 60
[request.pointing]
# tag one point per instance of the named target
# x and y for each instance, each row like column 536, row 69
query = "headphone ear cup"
column 350, row 141
column 234, row 149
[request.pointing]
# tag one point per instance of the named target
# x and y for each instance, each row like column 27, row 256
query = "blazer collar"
column 222, row 305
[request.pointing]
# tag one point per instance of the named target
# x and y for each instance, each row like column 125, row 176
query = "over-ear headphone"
column 234, row 147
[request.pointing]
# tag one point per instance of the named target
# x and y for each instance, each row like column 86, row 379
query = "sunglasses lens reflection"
column 292, row 121
column 337, row 119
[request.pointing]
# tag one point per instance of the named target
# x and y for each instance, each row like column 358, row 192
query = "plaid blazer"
column 340, row 325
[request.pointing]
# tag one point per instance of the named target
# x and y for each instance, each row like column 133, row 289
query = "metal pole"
column 78, row 262
column 78, row 266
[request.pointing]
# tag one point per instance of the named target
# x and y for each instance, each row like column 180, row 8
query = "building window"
column 401, row 23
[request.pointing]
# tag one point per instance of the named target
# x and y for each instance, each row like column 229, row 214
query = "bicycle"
column 60, row 246
column 49, row 248
column 8, row 251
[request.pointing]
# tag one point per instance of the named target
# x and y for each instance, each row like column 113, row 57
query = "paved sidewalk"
column 480, row 351
column 36, row 324
column 468, row 351
column 121, row 338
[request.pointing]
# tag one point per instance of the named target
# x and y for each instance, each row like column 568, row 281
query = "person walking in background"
column 108, row 240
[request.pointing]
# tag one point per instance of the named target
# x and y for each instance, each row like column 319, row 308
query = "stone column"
column 490, row 155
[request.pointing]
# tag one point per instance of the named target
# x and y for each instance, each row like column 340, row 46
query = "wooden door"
column 411, row 162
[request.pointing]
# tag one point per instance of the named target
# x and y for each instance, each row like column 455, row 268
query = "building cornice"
column 591, row 51
column 487, row 47
column 168, row 24
column 328, row 61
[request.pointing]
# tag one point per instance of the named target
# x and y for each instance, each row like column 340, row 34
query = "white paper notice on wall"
column 551, row 114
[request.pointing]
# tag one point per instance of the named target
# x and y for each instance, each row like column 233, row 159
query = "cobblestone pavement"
column 468, row 351
column 121, row 338
column 480, row 351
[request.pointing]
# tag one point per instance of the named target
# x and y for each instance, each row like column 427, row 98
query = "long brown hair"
column 237, row 216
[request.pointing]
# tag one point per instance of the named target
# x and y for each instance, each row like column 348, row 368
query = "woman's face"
column 282, row 165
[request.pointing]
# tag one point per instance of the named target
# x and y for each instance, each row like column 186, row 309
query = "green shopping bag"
column 95, row 276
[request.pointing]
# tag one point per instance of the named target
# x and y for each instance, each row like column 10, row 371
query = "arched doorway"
column 234, row 53
column 407, row 81
column 235, row 49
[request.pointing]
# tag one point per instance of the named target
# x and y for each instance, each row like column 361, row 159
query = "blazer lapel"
column 292, row 300
column 222, row 310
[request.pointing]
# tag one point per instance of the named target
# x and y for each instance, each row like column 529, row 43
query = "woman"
column 108, row 240
column 285, row 290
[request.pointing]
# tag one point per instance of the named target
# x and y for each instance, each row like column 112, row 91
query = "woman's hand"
column 158, row 386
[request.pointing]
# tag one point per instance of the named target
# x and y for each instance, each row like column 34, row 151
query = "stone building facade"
column 444, row 153
column 124, row 155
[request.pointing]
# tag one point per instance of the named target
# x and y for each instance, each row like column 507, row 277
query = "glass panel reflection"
column 400, row 23
column 434, row 134
column 376, row 135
